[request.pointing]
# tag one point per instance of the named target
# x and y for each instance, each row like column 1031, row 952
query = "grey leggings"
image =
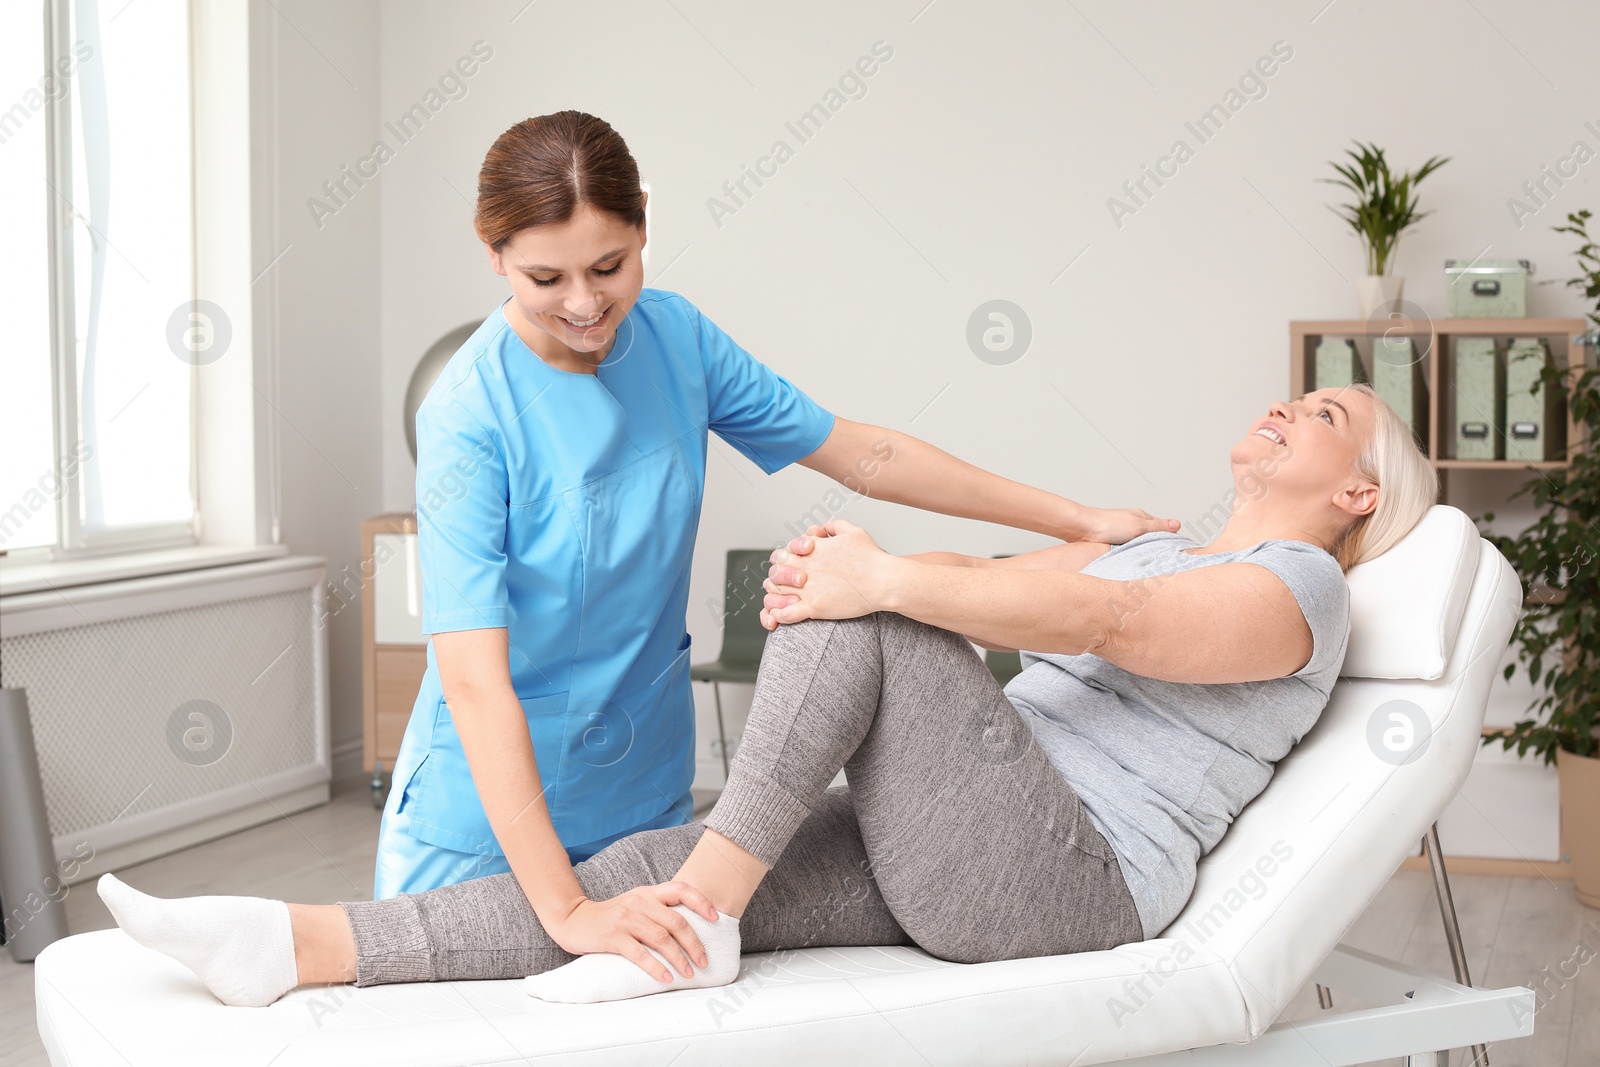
column 955, row 833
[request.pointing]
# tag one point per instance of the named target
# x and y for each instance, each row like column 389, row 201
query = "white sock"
column 607, row 976
column 242, row 948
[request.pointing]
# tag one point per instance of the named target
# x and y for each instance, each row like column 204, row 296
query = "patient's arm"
column 1071, row 557
column 942, row 559
column 1229, row 622
column 1223, row 623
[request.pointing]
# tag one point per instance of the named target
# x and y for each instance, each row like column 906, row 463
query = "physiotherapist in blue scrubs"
column 560, row 467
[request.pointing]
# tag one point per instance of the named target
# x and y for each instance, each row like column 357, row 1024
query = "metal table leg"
column 1452, row 929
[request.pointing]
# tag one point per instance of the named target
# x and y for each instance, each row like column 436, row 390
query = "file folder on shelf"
column 1480, row 397
column 1397, row 377
column 1535, row 424
column 1338, row 364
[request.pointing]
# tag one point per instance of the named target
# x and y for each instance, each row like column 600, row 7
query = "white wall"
column 315, row 78
column 991, row 142
column 977, row 165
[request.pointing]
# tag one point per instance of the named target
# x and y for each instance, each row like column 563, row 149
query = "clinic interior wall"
column 978, row 164
column 315, row 67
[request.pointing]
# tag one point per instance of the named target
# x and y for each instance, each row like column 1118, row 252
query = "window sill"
column 58, row 574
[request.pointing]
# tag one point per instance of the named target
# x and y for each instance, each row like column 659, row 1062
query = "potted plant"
column 1558, row 559
column 1385, row 207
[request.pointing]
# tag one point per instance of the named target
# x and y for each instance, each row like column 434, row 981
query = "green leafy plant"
column 1588, row 265
column 1558, row 559
column 1386, row 205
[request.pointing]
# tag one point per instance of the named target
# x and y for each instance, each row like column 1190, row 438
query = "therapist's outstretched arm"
column 475, row 675
column 897, row 467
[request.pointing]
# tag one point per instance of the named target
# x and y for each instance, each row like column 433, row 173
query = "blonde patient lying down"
column 1162, row 682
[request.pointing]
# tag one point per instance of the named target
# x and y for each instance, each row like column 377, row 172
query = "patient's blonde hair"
column 1407, row 486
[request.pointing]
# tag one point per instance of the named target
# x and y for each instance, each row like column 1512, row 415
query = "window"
column 104, row 339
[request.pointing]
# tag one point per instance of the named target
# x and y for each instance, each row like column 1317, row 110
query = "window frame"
column 234, row 401
column 73, row 540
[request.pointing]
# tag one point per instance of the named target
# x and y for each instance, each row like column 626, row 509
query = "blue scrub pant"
column 407, row 865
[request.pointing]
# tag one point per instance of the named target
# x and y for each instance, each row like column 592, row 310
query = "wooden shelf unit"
column 391, row 674
column 1438, row 335
column 1560, row 334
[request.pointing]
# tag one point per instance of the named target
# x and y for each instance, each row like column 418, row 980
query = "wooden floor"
column 1518, row 931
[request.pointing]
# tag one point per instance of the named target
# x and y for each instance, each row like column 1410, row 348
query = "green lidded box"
column 1535, row 424
column 1397, row 377
column 1480, row 397
column 1338, row 364
column 1486, row 288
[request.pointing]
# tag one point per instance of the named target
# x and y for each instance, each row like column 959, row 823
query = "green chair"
column 1003, row 665
column 743, row 636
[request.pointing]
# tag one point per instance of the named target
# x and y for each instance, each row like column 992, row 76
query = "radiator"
column 172, row 709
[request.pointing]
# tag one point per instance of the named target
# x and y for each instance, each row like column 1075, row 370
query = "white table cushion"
column 1296, row 870
column 879, row 1005
column 1433, row 566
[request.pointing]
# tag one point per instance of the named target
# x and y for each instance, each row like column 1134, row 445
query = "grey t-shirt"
column 1163, row 767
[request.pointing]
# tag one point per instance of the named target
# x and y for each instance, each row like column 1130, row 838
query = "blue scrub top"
column 563, row 507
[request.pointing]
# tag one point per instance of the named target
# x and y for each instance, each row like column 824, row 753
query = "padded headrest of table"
column 1406, row 605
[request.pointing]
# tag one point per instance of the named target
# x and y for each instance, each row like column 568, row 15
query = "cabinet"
column 1435, row 342
column 394, row 650
column 1508, row 810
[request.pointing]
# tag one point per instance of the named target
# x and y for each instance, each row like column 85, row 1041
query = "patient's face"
column 572, row 283
column 1308, row 446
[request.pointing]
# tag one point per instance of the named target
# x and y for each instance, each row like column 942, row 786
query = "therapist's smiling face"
column 571, row 284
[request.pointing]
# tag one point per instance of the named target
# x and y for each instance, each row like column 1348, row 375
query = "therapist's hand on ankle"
column 836, row 572
column 641, row 917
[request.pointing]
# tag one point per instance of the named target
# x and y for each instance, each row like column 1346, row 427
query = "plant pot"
column 1580, row 816
column 1377, row 291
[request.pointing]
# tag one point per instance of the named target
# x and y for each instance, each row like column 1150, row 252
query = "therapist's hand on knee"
column 626, row 924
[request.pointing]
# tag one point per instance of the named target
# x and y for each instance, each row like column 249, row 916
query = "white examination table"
column 1430, row 621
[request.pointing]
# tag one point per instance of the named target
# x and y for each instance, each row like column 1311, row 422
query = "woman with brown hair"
column 560, row 469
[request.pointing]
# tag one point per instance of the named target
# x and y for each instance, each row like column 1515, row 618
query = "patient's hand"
column 835, row 571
